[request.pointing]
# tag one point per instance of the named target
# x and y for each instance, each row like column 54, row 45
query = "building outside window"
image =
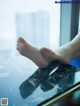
column 38, row 21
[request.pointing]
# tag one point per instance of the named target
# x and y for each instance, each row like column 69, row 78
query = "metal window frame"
column 51, row 101
column 69, row 22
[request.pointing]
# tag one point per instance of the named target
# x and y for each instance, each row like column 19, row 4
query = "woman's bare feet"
column 31, row 52
column 44, row 56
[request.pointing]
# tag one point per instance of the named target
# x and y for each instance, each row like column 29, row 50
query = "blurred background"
column 37, row 21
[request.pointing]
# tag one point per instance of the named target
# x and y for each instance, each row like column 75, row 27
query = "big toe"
column 44, row 49
column 20, row 39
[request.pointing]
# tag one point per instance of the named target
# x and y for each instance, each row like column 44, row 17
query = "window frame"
column 68, row 26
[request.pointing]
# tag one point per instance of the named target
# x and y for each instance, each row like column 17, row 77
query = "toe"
column 20, row 39
column 44, row 50
column 18, row 44
column 17, row 48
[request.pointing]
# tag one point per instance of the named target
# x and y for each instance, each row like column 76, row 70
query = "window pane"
column 35, row 20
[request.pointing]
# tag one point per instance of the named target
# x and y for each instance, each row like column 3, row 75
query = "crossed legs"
column 42, row 57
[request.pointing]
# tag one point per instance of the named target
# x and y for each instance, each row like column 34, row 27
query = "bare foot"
column 31, row 52
column 57, row 55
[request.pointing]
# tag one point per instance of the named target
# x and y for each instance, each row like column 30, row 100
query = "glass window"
column 37, row 21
